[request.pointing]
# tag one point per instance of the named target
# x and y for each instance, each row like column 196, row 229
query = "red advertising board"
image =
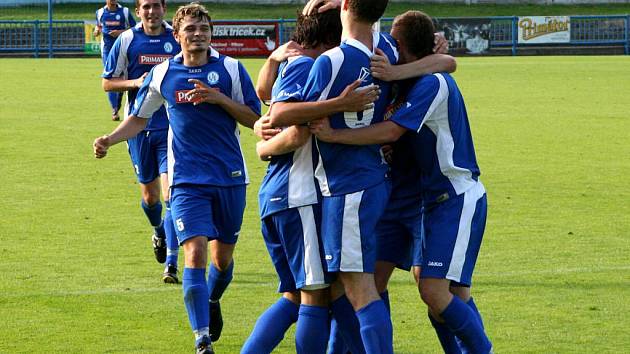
column 244, row 38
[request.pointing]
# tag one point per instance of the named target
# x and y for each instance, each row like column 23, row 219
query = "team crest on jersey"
column 118, row 17
column 213, row 77
column 168, row 47
column 153, row 59
column 364, row 74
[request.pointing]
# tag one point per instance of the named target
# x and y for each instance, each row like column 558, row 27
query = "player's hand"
column 309, row 8
column 441, row 44
column 287, row 50
column 388, row 153
column 263, row 128
column 357, row 99
column 204, row 93
column 97, row 31
column 322, row 130
column 138, row 82
column 100, row 145
column 381, row 68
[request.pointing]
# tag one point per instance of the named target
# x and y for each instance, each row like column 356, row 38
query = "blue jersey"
column 118, row 19
column 289, row 182
column 135, row 53
column 203, row 140
column 344, row 169
column 443, row 147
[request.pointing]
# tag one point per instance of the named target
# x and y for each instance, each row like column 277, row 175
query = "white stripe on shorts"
column 458, row 259
column 312, row 258
column 351, row 247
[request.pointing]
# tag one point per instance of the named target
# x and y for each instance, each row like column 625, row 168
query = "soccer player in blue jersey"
column 206, row 95
column 111, row 20
column 288, row 198
column 433, row 116
column 134, row 53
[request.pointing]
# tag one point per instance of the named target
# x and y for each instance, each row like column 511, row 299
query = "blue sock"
column 463, row 322
column 446, row 337
column 385, row 298
column 154, row 214
column 336, row 345
column 196, row 299
column 172, row 245
column 270, row 327
column 348, row 324
column 115, row 99
column 376, row 328
column 473, row 306
column 312, row 330
column 219, row 281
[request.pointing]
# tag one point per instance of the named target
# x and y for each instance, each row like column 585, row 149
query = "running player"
column 134, row 53
column 112, row 20
column 207, row 94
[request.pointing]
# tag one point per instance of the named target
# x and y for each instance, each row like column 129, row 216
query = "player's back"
column 344, row 169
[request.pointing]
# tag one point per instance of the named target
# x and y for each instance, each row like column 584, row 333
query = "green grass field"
column 226, row 11
column 551, row 134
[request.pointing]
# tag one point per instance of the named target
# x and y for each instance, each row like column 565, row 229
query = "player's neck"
column 112, row 7
column 195, row 58
column 152, row 31
column 359, row 31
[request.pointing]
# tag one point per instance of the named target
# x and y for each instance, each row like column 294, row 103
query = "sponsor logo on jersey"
column 328, row 257
column 194, row 71
column 155, row 40
column 238, row 173
column 153, row 59
column 276, row 199
column 213, row 77
column 168, row 47
column 182, row 96
column 285, row 94
column 112, row 23
column 435, row 264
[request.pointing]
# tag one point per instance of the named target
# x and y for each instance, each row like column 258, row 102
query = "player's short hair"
column 368, row 11
column 320, row 28
column 417, row 31
column 138, row 3
column 194, row 10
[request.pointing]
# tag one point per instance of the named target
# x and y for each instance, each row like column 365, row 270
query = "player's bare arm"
column 129, row 128
column 382, row 69
column 119, row 84
column 205, row 94
column 380, row 133
column 351, row 100
column 269, row 70
column 288, row 140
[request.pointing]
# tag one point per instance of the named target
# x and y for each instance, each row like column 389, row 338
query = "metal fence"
column 55, row 36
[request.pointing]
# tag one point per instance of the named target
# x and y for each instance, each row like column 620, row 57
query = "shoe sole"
column 169, row 279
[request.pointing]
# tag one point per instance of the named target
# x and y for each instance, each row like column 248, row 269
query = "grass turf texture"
column 226, row 11
column 551, row 134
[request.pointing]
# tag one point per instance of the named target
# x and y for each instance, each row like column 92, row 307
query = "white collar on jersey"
column 360, row 46
column 211, row 53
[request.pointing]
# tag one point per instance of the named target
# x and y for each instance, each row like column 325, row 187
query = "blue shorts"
column 453, row 231
column 211, row 211
column 399, row 234
column 148, row 154
column 348, row 225
column 293, row 242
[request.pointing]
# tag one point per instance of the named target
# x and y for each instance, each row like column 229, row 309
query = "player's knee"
column 431, row 295
column 222, row 263
column 150, row 198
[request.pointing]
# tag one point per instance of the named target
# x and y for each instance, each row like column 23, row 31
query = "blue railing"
column 56, row 36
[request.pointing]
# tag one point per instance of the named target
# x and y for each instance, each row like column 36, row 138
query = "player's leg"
column 147, row 171
column 191, row 209
column 228, row 206
column 352, row 218
column 453, row 233
column 172, row 245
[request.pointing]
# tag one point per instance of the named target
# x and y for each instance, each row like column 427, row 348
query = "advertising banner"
column 466, row 36
column 245, row 38
column 544, row 29
column 92, row 43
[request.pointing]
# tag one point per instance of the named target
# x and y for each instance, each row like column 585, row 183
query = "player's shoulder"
column 431, row 83
column 300, row 62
